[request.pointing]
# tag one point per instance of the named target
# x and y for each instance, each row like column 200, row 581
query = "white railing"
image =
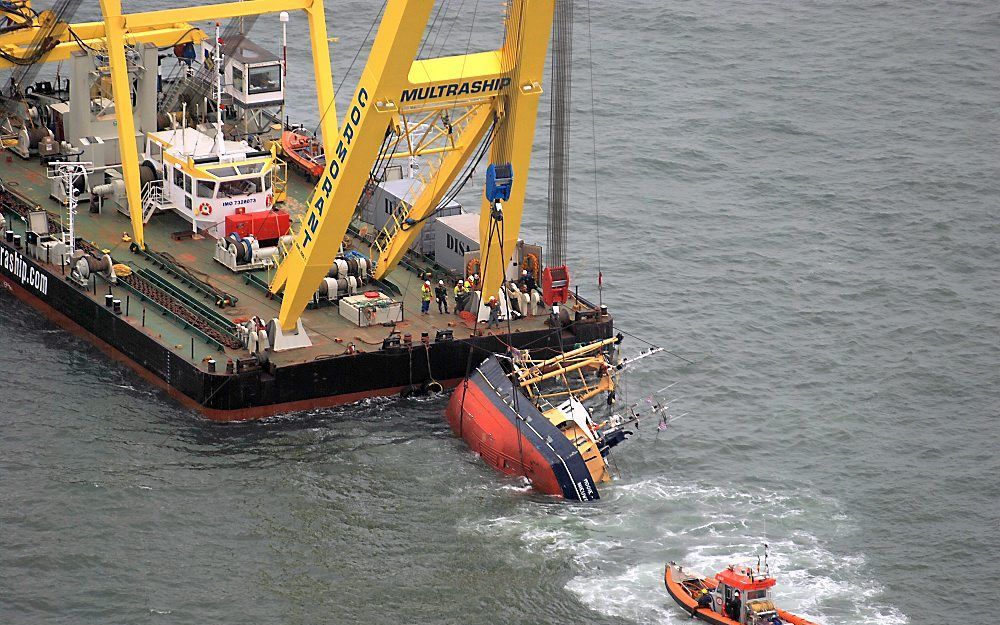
column 153, row 199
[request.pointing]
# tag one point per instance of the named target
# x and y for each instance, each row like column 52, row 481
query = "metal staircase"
column 153, row 200
column 383, row 239
column 200, row 84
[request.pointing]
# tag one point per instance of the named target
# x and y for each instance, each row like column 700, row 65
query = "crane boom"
column 507, row 80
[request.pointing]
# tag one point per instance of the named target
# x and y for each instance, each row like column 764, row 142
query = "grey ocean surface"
column 800, row 197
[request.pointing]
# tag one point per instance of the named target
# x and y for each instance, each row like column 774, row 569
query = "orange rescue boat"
column 304, row 152
column 735, row 596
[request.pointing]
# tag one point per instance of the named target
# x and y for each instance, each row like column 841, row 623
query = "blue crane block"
column 499, row 178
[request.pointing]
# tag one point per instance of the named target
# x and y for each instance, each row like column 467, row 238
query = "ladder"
column 383, row 239
column 200, row 83
column 154, row 200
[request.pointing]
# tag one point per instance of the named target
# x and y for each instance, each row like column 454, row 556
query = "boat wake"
column 619, row 548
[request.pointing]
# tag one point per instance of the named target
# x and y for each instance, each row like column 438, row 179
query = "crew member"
column 441, row 295
column 460, row 295
column 704, row 599
column 425, row 297
column 528, row 281
column 733, row 606
column 494, row 307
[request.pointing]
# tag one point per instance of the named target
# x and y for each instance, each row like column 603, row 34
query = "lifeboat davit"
column 736, row 596
column 304, row 152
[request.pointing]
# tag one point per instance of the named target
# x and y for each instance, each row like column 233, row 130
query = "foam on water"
column 618, row 557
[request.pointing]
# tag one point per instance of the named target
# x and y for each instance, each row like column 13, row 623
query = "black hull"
column 262, row 390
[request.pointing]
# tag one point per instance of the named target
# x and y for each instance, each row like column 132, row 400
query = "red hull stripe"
column 517, row 441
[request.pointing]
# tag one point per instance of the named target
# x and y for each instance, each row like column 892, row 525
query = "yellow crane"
column 500, row 87
column 15, row 44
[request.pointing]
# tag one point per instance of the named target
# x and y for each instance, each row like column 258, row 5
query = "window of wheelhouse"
column 267, row 181
column 238, row 79
column 178, row 177
column 205, row 188
column 265, row 79
column 237, row 188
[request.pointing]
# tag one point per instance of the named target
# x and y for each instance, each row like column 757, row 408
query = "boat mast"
column 283, row 18
column 220, row 147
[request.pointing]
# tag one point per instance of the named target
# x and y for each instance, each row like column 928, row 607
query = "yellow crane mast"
column 503, row 86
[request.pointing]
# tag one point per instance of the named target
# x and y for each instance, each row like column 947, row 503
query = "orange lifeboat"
column 736, row 596
column 305, row 153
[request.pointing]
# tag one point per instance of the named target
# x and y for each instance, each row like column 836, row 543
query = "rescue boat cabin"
column 202, row 186
column 755, row 593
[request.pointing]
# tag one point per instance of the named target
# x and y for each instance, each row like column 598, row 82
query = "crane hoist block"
column 555, row 285
column 499, row 177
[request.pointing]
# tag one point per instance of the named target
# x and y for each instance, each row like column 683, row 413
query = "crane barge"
column 172, row 234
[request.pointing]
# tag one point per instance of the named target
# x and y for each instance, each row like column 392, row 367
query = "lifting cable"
column 375, row 21
column 593, row 126
column 430, row 29
column 447, row 35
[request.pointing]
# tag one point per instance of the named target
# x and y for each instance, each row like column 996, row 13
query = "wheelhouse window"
column 238, row 79
column 250, row 168
column 265, row 79
column 178, row 177
column 267, row 181
column 187, row 183
column 206, row 189
column 237, row 188
column 222, row 171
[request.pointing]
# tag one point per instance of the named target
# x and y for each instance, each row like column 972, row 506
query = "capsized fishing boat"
column 304, row 153
column 505, row 412
column 738, row 595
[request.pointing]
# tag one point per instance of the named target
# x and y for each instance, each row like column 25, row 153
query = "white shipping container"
column 385, row 201
column 453, row 237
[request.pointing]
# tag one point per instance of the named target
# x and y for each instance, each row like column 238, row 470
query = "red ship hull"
column 512, row 436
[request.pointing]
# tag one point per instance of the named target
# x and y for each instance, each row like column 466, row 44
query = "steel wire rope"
column 431, row 29
column 451, row 28
column 593, row 126
column 350, row 67
column 442, row 205
column 460, row 183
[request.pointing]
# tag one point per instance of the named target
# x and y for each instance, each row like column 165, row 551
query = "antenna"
column 220, row 147
column 68, row 172
column 283, row 18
